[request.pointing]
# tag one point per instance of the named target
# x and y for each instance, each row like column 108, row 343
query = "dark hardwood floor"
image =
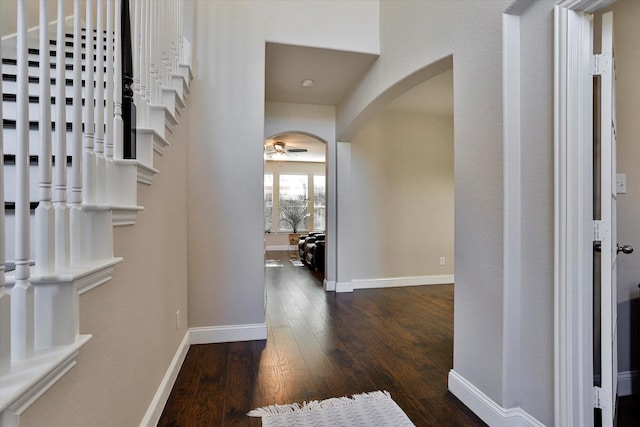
column 323, row 345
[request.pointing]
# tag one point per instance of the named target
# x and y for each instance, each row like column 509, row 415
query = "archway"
column 302, row 159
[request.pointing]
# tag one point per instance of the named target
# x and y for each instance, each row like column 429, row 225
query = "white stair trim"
column 124, row 215
column 146, row 173
column 30, row 379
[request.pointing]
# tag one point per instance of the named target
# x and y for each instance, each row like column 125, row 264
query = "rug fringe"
column 320, row 404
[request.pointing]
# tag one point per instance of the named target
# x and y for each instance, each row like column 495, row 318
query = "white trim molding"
column 394, row 282
column 329, row 285
column 344, row 287
column 156, row 407
column 488, row 410
column 573, row 229
column 31, row 378
column 228, row 333
column 282, row 248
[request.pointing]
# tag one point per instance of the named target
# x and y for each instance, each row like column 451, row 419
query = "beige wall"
column 402, row 196
column 133, row 317
column 226, row 266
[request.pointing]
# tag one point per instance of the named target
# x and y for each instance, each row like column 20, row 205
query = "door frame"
column 573, row 224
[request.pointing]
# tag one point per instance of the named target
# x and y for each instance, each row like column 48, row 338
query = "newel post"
column 129, row 107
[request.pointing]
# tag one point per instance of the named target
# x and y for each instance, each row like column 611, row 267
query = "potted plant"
column 293, row 212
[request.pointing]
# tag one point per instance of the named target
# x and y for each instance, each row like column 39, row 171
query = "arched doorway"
column 297, row 168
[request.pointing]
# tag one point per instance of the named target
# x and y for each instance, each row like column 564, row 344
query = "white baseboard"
column 488, row 410
column 329, row 285
column 392, row 282
column 229, row 333
column 282, row 248
column 156, row 407
column 344, row 287
column 625, row 382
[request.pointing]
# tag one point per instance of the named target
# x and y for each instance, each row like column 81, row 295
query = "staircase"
column 98, row 88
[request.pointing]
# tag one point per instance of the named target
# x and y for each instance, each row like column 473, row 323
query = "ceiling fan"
column 278, row 151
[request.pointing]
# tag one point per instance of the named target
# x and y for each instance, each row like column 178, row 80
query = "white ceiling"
column 335, row 73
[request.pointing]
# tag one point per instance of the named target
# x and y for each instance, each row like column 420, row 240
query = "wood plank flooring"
column 323, row 345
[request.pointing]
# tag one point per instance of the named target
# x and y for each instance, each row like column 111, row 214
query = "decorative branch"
column 294, row 211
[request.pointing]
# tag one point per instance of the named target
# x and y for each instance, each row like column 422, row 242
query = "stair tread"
column 35, row 79
column 11, row 206
column 71, row 44
column 33, row 125
column 35, row 99
column 36, row 64
column 36, row 51
column 10, row 159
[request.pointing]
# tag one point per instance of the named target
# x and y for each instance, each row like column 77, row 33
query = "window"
column 300, row 194
column 293, row 202
column 319, row 202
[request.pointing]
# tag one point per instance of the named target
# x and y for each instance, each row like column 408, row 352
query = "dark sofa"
column 311, row 250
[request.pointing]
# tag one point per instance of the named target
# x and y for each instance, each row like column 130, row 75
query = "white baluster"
column 99, row 111
column 5, row 297
column 159, row 51
column 152, row 54
column 136, row 56
column 174, row 39
column 44, row 226
column 76, row 214
column 145, row 72
column 89, row 157
column 55, row 303
column 155, row 15
column 118, row 124
column 181, row 58
column 22, row 323
column 60, row 177
column 165, row 19
column 109, row 139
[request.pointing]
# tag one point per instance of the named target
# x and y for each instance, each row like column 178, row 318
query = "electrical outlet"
column 442, row 261
column 621, row 183
column 177, row 320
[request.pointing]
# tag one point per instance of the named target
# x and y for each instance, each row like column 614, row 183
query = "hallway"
column 327, row 345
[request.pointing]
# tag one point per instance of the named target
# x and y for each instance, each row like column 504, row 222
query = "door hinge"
column 600, row 64
column 601, row 398
column 597, row 224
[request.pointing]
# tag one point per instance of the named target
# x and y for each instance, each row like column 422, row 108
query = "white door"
column 605, row 394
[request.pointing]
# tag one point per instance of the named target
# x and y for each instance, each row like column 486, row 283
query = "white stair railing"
column 44, row 250
column 76, row 212
column 101, row 168
column 22, row 294
column 60, row 178
column 5, row 297
column 118, row 123
column 109, row 140
column 89, row 156
column 72, row 223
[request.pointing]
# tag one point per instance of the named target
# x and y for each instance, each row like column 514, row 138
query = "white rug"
column 366, row 410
